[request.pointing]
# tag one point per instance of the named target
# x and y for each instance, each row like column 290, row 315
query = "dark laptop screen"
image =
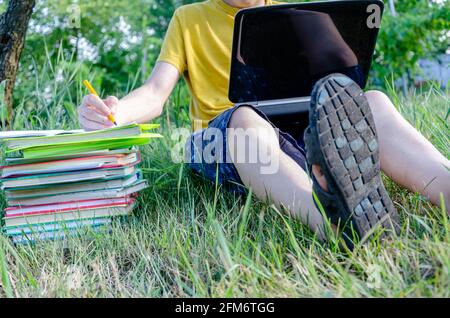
column 281, row 51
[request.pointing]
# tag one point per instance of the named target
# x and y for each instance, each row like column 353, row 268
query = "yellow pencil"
column 93, row 91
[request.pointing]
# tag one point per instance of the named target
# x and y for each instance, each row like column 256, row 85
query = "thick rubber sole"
column 349, row 144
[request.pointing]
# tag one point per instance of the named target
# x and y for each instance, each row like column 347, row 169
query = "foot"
column 342, row 147
column 320, row 177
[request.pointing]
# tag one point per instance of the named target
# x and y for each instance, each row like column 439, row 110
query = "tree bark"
column 13, row 27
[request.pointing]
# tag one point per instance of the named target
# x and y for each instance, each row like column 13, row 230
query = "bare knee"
column 248, row 131
column 245, row 117
column 382, row 108
column 379, row 103
column 245, row 122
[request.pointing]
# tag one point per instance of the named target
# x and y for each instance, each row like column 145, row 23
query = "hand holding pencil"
column 95, row 113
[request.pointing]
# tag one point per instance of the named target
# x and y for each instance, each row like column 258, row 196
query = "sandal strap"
column 327, row 199
column 313, row 157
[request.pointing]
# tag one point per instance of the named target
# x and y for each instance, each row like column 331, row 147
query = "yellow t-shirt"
column 198, row 43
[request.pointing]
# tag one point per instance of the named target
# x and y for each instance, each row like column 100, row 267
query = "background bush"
column 118, row 41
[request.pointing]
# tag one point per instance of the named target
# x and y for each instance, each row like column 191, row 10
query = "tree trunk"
column 13, row 28
column 392, row 8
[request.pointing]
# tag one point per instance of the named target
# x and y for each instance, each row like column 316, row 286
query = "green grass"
column 190, row 238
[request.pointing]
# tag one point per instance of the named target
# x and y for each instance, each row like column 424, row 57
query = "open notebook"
column 67, row 144
column 36, row 133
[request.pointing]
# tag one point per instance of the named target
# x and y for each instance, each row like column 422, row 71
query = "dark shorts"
column 220, row 168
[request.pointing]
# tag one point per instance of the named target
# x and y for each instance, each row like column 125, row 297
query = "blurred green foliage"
column 118, row 41
column 421, row 29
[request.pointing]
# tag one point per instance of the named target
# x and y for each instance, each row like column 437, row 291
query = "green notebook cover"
column 77, row 147
column 47, row 147
column 89, row 136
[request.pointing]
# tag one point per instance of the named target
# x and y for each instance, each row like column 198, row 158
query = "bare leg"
column 289, row 186
column 406, row 155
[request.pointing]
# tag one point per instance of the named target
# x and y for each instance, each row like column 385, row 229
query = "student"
column 198, row 46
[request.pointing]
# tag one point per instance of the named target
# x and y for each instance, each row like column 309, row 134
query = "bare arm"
column 141, row 105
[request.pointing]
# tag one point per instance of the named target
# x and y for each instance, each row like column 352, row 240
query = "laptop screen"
column 281, row 51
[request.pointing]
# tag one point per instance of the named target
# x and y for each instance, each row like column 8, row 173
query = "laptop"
column 280, row 51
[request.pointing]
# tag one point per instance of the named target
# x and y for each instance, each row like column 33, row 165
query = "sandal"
column 341, row 139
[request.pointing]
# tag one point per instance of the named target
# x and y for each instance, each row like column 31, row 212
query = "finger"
column 112, row 102
column 93, row 115
column 97, row 103
column 86, row 117
column 89, row 125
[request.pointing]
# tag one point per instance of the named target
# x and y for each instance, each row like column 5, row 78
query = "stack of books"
column 58, row 181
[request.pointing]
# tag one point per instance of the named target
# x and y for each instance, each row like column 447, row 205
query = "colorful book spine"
column 60, row 184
